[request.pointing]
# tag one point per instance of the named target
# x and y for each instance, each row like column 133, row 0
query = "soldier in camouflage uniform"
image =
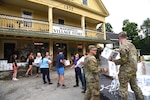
column 128, row 68
column 92, row 75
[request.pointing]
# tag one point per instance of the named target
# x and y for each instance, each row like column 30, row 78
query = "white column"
column 68, row 51
column 83, row 24
column 51, row 47
column 84, row 48
column 50, row 19
column 104, row 30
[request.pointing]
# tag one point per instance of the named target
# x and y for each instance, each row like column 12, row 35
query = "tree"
column 145, row 27
column 108, row 27
column 131, row 28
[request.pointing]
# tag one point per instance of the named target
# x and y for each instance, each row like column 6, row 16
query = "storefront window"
column 41, row 47
column 35, row 47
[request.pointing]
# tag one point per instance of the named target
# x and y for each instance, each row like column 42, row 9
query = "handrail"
column 22, row 19
column 94, row 31
column 72, row 27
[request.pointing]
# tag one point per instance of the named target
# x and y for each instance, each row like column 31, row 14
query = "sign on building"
column 62, row 29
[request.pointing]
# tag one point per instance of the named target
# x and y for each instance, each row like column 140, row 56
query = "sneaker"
column 45, row 82
column 50, row 83
column 15, row 79
column 76, row 86
column 83, row 92
column 58, row 84
column 26, row 75
column 64, row 87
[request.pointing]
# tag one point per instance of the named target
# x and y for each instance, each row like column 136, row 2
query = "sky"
column 135, row 10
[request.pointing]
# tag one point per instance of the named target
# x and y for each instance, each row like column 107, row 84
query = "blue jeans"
column 78, row 75
column 83, row 79
column 45, row 72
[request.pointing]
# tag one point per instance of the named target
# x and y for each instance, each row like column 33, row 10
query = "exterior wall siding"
column 8, row 9
column 67, row 20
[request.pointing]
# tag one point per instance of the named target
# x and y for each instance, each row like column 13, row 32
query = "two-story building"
column 46, row 25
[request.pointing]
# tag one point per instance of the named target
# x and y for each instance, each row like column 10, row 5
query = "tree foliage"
column 108, row 27
column 132, row 31
column 131, row 28
column 145, row 27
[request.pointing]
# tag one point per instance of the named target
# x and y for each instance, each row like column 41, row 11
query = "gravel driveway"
column 32, row 88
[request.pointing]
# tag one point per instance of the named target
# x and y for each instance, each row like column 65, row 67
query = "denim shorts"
column 60, row 71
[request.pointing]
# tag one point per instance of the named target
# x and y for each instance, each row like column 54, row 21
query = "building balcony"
column 19, row 23
column 8, row 22
column 94, row 33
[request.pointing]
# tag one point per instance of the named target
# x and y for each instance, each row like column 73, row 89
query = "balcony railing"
column 19, row 23
column 94, row 33
column 11, row 22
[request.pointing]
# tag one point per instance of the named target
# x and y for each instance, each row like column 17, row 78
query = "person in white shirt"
column 37, row 61
column 80, row 63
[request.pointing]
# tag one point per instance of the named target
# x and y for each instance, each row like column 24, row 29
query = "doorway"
column 8, row 50
column 56, row 46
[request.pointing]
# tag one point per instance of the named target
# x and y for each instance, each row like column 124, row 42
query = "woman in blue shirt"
column 44, row 67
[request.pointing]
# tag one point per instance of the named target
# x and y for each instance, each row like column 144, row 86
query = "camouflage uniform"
column 128, row 68
column 92, row 78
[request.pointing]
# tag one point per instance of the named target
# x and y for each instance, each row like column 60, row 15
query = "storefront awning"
column 39, row 34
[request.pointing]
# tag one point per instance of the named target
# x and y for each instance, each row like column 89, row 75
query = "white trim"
column 28, row 23
column 29, row 10
column 93, row 31
column 115, row 39
column 22, row 19
column 67, row 26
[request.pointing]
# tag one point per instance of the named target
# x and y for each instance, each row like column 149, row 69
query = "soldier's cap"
column 92, row 47
column 122, row 34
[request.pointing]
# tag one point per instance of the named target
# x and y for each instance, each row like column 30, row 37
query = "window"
column 61, row 21
column 84, row 2
column 28, row 17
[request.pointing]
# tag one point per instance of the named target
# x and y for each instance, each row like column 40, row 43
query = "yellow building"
column 41, row 25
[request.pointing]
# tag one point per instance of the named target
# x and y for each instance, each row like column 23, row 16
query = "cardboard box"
column 131, row 95
column 9, row 66
column 113, row 70
column 67, row 62
column 143, row 68
column 147, row 65
column 109, row 53
column 143, row 82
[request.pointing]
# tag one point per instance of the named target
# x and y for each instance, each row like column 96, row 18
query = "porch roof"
column 40, row 34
